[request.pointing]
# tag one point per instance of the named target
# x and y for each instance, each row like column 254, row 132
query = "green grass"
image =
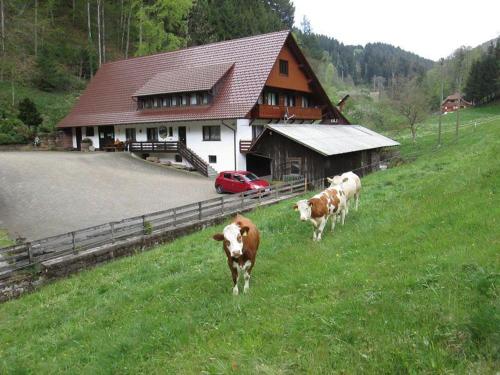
column 52, row 106
column 409, row 285
column 4, row 239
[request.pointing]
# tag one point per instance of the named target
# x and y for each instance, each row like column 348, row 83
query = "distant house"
column 453, row 102
column 202, row 106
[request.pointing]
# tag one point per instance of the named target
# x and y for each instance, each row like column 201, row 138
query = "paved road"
column 48, row 193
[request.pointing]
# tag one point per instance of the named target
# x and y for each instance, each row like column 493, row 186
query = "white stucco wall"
column 73, row 131
column 244, row 133
column 223, row 149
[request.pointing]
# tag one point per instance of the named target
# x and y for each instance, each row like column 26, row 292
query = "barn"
column 316, row 151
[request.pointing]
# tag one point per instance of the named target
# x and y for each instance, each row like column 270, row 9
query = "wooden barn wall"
column 314, row 165
column 280, row 148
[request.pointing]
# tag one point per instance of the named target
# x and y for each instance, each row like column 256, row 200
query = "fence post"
column 73, row 242
column 242, row 201
column 305, row 185
column 175, row 217
column 112, row 225
column 222, row 204
column 199, row 211
column 30, row 254
column 260, row 197
column 143, row 225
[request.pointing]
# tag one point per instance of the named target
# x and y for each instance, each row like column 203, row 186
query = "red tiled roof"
column 108, row 98
column 186, row 79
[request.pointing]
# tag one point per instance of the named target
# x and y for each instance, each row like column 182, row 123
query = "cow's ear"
column 295, row 207
column 345, row 179
column 218, row 237
column 244, row 231
column 310, row 203
column 329, row 179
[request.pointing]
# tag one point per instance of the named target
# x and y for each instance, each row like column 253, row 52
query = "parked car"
column 238, row 181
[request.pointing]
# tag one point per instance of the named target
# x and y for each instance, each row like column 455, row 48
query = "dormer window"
column 284, row 67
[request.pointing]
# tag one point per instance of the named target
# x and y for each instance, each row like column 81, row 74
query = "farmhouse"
column 453, row 102
column 205, row 106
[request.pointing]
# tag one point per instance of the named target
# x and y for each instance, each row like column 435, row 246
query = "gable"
column 295, row 80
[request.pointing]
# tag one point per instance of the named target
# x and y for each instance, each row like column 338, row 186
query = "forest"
column 56, row 46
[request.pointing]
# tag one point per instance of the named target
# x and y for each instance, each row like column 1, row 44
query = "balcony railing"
column 245, row 146
column 152, row 146
column 277, row 112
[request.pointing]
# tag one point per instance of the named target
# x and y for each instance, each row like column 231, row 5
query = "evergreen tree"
column 28, row 113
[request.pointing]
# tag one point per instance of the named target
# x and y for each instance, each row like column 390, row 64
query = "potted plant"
column 86, row 143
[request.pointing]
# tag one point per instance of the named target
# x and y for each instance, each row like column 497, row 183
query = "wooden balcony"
column 278, row 112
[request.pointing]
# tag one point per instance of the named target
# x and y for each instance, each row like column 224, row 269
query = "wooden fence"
column 18, row 257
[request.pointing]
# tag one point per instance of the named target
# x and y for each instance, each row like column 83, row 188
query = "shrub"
column 13, row 131
column 87, row 140
column 28, row 113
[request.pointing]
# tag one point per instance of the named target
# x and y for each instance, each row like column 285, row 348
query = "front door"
column 152, row 134
column 106, row 136
column 78, row 138
column 182, row 134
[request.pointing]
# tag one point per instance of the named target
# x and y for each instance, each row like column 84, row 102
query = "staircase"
column 196, row 161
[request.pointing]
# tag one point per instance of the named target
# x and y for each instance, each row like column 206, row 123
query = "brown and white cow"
column 351, row 184
column 240, row 243
column 318, row 209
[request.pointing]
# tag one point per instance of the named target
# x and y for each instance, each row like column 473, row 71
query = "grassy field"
column 4, row 239
column 409, row 285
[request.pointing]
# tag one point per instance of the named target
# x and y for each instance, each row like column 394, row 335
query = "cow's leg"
column 347, row 205
column 234, row 274
column 357, row 200
column 321, row 226
column 343, row 213
column 334, row 220
column 247, row 268
column 315, row 229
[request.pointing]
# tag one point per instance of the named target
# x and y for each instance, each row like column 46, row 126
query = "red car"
column 238, row 181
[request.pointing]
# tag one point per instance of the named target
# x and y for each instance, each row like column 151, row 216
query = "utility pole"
column 441, row 103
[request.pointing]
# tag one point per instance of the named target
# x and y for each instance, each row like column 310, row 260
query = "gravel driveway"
column 48, row 193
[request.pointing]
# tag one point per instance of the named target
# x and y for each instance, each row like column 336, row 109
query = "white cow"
column 351, row 184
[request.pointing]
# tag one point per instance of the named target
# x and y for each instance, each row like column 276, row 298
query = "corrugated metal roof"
column 333, row 139
column 186, row 79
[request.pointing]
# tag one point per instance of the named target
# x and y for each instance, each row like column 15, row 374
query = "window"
column 238, row 178
column 295, row 165
column 194, row 99
column 184, row 100
column 170, row 131
column 305, row 102
column 227, row 175
column 156, row 102
column 212, row 159
column 205, row 98
column 166, row 101
column 175, row 101
column 290, row 100
column 271, row 98
column 89, row 131
column 256, row 130
column 152, row 134
column 130, row 134
column 178, row 158
column 284, row 67
column 211, row 133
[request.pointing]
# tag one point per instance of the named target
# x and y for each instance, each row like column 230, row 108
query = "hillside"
column 408, row 285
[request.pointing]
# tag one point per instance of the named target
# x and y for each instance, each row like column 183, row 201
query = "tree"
column 28, row 113
column 412, row 104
